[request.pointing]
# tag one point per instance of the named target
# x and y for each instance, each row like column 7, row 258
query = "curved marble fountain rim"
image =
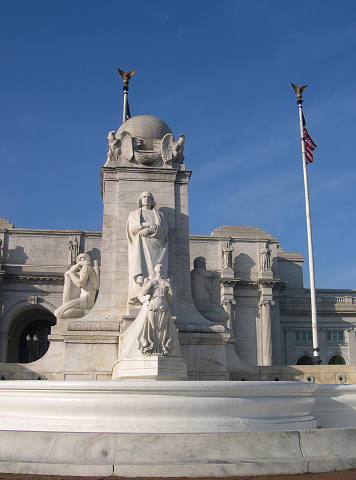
column 156, row 407
column 154, row 386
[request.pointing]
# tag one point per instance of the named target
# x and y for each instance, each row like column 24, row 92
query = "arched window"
column 34, row 341
column 305, row 360
column 337, row 360
column 28, row 335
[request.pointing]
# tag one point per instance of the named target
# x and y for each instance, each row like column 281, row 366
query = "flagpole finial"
column 126, row 77
column 299, row 91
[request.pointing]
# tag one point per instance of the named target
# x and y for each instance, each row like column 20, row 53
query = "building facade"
column 261, row 287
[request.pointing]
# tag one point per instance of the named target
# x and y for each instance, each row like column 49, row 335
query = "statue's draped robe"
column 153, row 332
column 146, row 252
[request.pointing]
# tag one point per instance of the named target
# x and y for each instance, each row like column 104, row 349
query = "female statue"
column 158, row 331
column 153, row 332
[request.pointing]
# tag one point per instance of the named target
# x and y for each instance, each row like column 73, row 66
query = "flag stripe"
column 309, row 145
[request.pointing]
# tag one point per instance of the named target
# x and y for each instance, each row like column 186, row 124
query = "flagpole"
column 316, row 358
column 126, row 79
column 124, row 112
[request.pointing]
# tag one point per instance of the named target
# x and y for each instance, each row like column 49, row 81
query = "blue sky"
column 217, row 71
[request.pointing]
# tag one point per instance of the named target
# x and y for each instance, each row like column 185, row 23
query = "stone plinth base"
column 177, row 455
column 265, row 275
column 150, row 368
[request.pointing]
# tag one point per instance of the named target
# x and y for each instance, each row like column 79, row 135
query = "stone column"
column 266, row 331
column 266, row 284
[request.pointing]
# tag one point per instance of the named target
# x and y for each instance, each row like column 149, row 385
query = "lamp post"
column 31, row 347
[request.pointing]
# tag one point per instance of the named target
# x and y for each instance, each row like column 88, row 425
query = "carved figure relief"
column 74, row 250
column 147, row 235
column 128, row 150
column 227, row 255
column 71, row 258
column 114, row 147
column 205, row 291
column 265, row 258
column 81, row 283
column 76, row 247
column 172, row 152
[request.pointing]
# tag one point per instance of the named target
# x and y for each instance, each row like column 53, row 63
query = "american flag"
column 310, row 146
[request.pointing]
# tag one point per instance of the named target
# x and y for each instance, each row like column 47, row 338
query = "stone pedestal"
column 206, row 354
column 150, row 368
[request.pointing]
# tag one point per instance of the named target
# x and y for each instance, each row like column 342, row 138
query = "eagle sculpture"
column 299, row 90
column 126, row 76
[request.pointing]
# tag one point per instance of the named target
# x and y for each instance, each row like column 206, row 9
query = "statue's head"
column 199, row 262
column 158, row 268
column 83, row 259
column 146, row 199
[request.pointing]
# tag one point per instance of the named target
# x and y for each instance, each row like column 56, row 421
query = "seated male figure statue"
column 81, row 282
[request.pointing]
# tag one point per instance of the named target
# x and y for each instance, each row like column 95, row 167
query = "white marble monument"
column 145, row 224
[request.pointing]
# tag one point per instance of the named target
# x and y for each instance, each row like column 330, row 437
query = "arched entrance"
column 336, row 360
column 305, row 360
column 28, row 335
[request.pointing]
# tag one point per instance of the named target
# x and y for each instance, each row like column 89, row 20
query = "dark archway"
column 28, row 335
column 305, row 360
column 336, row 360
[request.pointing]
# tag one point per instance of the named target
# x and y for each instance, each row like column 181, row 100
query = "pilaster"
column 351, row 337
column 322, row 344
column 289, row 345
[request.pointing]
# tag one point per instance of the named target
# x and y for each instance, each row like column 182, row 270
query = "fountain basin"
column 156, row 407
column 166, row 429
